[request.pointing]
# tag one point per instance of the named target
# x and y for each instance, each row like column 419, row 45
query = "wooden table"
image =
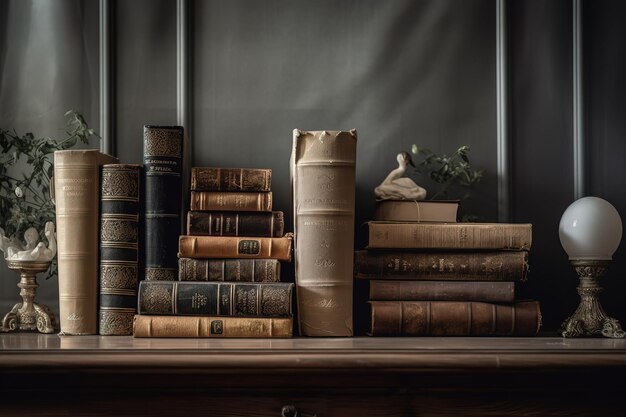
column 97, row 375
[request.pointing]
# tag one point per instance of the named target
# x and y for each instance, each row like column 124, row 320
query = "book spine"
column 323, row 179
column 258, row 224
column 76, row 188
column 163, row 149
column 231, row 201
column 231, row 179
column 180, row 326
column 383, row 235
column 489, row 292
column 119, row 243
column 208, row 247
column 454, row 318
column 442, row 266
column 216, row 298
column 245, row 270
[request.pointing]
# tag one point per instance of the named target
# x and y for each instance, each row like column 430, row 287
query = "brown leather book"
column 244, row 299
column 231, row 201
column 232, row 223
column 323, row 179
column 208, row 247
column 489, row 292
column 181, row 326
column 442, row 266
column 77, row 198
column 454, row 318
column 234, row 270
column 417, row 211
column 231, row 179
column 407, row 235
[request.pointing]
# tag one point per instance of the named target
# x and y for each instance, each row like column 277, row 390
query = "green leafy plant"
column 453, row 173
column 25, row 199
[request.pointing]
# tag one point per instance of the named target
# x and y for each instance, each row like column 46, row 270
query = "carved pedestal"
column 590, row 319
column 28, row 315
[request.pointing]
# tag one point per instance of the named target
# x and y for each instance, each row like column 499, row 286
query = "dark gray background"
column 400, row 72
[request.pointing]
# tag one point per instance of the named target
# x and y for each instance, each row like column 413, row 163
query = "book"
column 162, row 157
column 181, row 326
column 442, row 266
column 207, row 247
column 119, row 248
column 216, row 298
column 229, row 223
column 246, row 270
column 417, row 211
column 231, row 201
column 405, row 235
column 490, row 292
column 323, row 180
column 231, row 179
column 77, row 195
column 454, row 318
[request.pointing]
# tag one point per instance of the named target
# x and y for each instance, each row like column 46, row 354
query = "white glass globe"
column 590, row 228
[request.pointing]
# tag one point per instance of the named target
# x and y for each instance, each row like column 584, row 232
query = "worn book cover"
column 490, row 292
column 188, row 326
column 231, row 201
column 234, row 223
column 234, row 270
column 207, row 247
column 231, row 179
column 417, row 211
column 323, row 179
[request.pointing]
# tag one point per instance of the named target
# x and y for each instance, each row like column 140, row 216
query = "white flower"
column 18, row 192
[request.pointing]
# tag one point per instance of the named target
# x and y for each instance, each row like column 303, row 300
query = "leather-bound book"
column 442, row 266
column 216, row 298
column 187, row 326
column 490, row 292
column 208, row 247
column 231, row 201
column 412, row 235
column 162, row 153
column 119, row 248
column 454, row 318
column 229, row 223
column 77, row 195
column 234, row 270
column 323, row 179
column 231, row 179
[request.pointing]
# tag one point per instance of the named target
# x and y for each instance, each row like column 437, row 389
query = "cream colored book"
column 323, row 180
column 77, row 198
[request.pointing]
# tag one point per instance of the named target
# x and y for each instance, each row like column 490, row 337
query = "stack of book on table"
column 443, row 278
column 229, row 264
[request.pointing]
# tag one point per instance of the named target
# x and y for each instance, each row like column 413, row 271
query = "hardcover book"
column 119, row 247
column 403, row 235
column 442, row 266
column 216, row 298
column 77, row 194
column 163, row 150
column 417, row 211
column 454, row 318
column 231, row 179
column 228, row 223
column 187, row 326
column 207, row 247
column 323, row 180
column 490, row 292
column 231, row 201
column 246, row 270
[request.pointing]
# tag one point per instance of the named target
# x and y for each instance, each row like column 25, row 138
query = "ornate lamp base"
column 590, row 319
column 28, row 315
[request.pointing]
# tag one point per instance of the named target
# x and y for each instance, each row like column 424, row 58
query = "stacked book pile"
column 229, row 270
column 432, row 276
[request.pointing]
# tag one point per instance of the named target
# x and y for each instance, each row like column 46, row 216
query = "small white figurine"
column 397, row 187
column 33, row 251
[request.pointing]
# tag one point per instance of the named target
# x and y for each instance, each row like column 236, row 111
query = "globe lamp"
column 590, row 231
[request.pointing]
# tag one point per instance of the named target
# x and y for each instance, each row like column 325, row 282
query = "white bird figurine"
column 397, row 187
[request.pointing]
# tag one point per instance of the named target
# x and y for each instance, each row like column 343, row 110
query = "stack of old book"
column 229, row 264
column 432, row 276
